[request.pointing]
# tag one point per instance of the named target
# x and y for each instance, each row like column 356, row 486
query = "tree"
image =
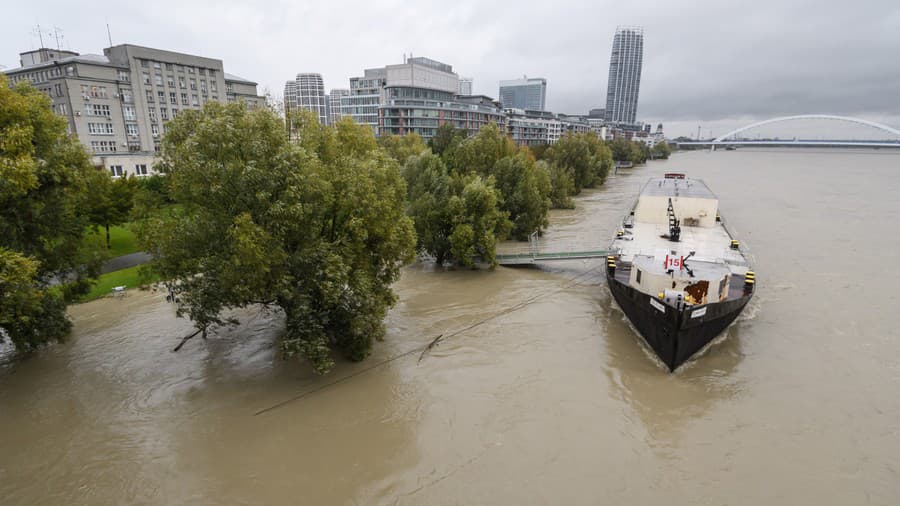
column 639, row 152
column 525, row 190
column 44, row 188
column 402, row 147
column 446, row 137
column 480, row 152
column 621, row 149
column 316, row 227
column 112, row 201
column 661, row 150
column 583, row 157
column 457, row 216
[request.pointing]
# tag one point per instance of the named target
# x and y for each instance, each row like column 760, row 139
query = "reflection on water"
column 555, row 402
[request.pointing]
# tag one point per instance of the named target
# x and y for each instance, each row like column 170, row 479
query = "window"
column 194, row 100
column 62, row 109
column 212, row 73
column 174, row 112
column 190, row 70
column 59, row 91
column 149, row 95
column 128, row 112
column 152, row 112
column 131, row 129
column 100, row 129
column 103, row 146
column 134, row 146
column 124, row 75
column 146, row 77
column 180, row 82
column 162, row 96
column 154, row 129
column 97, row 110
column 85, row 91
column 170, row 81
column 193, row 84
column 201, row 71
column 184, row 99
column 157, row 147
column 179, row 68
column 172, row 98
column 158, row 79
column 168, row 66
column 215, row 97
column 116, row 170
column 639, row 276
column 156, row 65
column 164, row 113
column 140, row 169
column 127, row 97
column 145, row 63
column 213, row 87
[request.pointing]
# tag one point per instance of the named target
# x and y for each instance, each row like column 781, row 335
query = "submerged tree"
column 44, row 189
column 316, row 228
column 583, row 157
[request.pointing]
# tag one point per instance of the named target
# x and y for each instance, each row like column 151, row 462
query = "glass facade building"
column 527, row 94
column 625, row 63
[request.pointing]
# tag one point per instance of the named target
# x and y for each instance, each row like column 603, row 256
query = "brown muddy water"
column 555, row 403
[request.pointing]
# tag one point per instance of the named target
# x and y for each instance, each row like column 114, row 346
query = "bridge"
column 731, row 139
column 538, row 251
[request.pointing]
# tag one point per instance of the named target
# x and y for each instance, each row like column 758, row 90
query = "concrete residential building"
column 365, row 97
column 625, row 63
column 335, row 97
column 118, row 103
column 307, row 92
column 526, row 94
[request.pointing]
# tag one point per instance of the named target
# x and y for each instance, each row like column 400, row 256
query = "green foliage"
column 481, row 152
column 539, row 151
column 661, row 150
column 562, row 187
column 401, row 148
column 624, row 150
column 44, row 188
column 525, row 187
column 315, row 227
column 584, row 158
column 457, row 216
column 446, row 138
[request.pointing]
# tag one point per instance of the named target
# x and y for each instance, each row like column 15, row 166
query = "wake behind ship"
column 677, row 272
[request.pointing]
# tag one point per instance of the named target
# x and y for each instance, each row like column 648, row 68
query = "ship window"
column 722, row 287
column 639, row 276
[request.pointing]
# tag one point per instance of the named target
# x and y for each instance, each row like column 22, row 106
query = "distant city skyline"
column 703, row 65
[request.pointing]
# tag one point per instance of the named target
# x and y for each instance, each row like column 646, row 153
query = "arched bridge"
column 729, row 140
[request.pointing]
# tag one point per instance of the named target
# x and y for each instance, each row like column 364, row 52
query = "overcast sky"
column 715, row 64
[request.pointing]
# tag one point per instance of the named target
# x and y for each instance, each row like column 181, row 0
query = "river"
column 555, row 402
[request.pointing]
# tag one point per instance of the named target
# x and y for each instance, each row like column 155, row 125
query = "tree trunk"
column 108, row 245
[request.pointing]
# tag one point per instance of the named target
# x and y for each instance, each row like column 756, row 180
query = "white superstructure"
column 699, row 266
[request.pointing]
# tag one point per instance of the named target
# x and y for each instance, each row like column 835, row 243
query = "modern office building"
column 118, row 104
column 527, row 94
column 335, row 97
column 625, row 63
column 307, row 92
column 422, row 94
column 465, row 85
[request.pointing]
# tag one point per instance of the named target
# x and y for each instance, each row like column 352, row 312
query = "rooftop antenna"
column 108, row 34
column 56, row 34
column 40, row 35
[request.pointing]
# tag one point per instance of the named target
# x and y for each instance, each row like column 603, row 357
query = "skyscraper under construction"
column 625, row 74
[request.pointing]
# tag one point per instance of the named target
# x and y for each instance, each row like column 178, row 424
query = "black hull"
column 675, row 335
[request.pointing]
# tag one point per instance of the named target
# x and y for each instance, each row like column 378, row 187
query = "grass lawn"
column 126, row 277
column 121, row 240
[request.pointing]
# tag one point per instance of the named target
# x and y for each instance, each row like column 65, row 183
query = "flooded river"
column 555, row 402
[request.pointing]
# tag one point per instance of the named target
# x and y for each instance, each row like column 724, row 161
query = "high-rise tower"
column 625, row 74
column 306, row 92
